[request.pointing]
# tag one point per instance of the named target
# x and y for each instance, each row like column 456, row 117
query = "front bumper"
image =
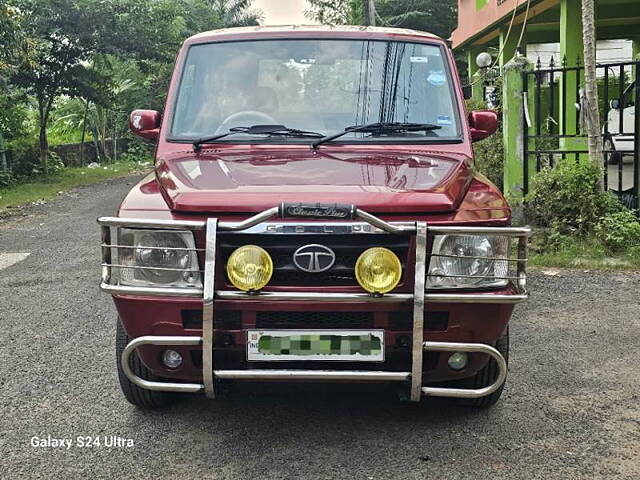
column 413, row 377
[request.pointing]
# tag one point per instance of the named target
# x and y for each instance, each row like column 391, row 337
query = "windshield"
column 322, row 86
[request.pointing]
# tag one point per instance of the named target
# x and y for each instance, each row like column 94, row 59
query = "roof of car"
column 324, row 30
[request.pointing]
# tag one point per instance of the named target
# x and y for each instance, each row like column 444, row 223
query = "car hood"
column 252, row 181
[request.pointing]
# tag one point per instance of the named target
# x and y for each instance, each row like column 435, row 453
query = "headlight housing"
column 468, row 261
column 158, row 258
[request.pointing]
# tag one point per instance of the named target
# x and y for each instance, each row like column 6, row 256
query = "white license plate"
column 320, row 345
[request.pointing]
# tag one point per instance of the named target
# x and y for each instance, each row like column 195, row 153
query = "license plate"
column 321, row 345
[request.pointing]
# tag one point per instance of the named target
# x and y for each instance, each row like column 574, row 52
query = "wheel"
column 486, row 376
column 140, row 397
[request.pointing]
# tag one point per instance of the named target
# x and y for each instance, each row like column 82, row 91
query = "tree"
column 435, row 16
column 592, row 115
column 62, row 37
column 336, row 12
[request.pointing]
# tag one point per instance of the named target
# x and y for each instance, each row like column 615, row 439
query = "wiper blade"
column 257, row 130
column 379, row 127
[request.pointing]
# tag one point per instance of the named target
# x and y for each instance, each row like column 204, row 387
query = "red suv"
column 314, row 215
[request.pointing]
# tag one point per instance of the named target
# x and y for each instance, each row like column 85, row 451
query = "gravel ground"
column 570, row 409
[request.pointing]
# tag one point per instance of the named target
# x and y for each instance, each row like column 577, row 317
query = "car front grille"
column 318, row 320
column 347, row 249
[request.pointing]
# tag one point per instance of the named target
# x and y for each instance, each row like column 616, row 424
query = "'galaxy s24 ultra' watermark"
column 81, row 441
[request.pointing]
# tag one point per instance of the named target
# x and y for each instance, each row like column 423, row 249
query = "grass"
column 583, row 254
column 46, row 188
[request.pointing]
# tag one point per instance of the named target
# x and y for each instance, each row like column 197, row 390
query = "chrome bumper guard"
column 368, row 224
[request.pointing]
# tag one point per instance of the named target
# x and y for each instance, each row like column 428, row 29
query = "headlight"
column 158, row 258
column 468, row 261
column 378, row 270
column 249, row 268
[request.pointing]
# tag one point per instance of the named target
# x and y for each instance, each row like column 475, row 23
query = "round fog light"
column 458, row 360
column 171, row 358
column 378, row 270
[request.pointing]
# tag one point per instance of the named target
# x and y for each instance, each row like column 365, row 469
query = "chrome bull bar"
column 373, row 224
column 319, row 375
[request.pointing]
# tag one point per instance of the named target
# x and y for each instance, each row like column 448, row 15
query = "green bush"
column 619, row 231
column 489, row 153
column 24, row 157
column 566, row 197
column 6, row 178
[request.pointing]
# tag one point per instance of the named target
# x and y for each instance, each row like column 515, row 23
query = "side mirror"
column 615, row 104
column 482, row 123
column 145, row 124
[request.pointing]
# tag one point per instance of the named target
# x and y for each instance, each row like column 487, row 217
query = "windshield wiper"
column 257, row 130
column 379, row 128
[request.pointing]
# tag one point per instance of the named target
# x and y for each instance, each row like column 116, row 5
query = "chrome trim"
column 382, row 225
column 329, row 375
column 471, row 257
column 249, row 222
column 207, row 307
column 163, row 269
column 158, row 386
column 106, row 254
column 504, row 231
column 131, row 247
column 475, row 298
column 418, row 312
column 317, row 228
column 313, row 296
column 467, row 392
column 316, row 296
column 151, row 291
column 143, row 223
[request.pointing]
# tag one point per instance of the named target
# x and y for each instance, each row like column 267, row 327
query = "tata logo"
column 314, row 258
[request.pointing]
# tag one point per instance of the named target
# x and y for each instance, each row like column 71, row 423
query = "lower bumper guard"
column 318, row 375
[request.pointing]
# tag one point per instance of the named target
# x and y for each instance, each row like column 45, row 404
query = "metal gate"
column 552, row 122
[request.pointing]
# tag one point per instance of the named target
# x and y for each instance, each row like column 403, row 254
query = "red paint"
column 434, row 183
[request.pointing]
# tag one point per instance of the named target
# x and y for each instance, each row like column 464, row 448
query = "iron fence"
column 554, row 107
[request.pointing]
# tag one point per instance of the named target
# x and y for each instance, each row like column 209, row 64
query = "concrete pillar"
column 635, row 52
column 508, row 45
column 475, row 74
column 571, row 48
column 512, row 125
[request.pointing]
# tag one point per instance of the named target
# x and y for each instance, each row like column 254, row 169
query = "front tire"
column 487, row 376
column 140, row 397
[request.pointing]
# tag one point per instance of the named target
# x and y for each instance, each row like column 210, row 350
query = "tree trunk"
column 84, row 131
column 43, row 113
column 3, row 156
column 592, row 115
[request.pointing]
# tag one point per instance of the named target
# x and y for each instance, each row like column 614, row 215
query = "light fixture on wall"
column 483, row 60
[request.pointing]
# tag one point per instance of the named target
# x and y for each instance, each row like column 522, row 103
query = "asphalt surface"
column 571, row 408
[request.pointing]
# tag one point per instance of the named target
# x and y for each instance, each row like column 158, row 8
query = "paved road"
column 571, row 408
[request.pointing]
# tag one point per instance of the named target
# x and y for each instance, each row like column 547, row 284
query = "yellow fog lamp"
column 249, row 268
column 378, row 270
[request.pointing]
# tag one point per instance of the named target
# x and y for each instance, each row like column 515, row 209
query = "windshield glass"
column 322, row 86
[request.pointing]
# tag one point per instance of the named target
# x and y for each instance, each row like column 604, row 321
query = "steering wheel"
column 245, row 118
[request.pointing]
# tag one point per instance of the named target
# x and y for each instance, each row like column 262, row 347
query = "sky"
column 282, row 12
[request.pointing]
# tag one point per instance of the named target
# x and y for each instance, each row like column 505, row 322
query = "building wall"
column 608, row 51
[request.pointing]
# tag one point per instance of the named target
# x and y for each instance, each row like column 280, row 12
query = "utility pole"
column 369, row 12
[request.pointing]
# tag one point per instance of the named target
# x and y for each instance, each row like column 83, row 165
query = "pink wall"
column 472, row 21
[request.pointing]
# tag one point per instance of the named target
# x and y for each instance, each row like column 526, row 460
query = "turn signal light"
column 249, row 268
column 378, row 270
